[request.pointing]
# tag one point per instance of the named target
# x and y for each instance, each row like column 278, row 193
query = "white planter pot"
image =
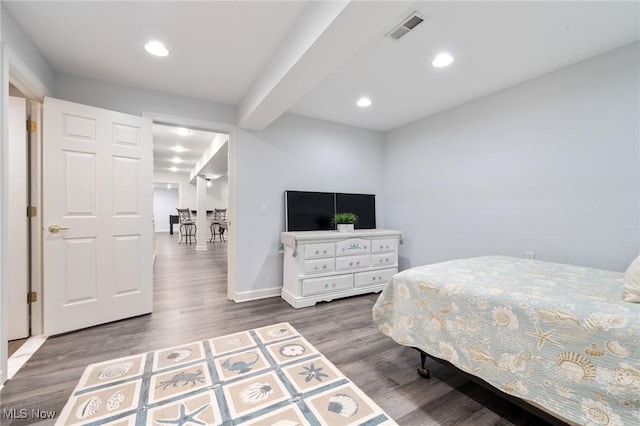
column 345, row 227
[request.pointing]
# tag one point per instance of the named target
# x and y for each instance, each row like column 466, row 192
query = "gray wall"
column 217, row 193
column 165, row 202
column 550, row 166
column 295, row 153
column 135, row 101
column 24, row 49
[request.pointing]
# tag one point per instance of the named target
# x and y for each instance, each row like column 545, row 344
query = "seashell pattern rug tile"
column 266, row 376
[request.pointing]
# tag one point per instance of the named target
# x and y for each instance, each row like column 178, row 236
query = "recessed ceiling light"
column 363, row 102
column 168, row 186
column 209, row 182
column 176, row 160
column 174, row 169
column 442, row 60
column 182, row 131
column 156, row 48
column 178, row 148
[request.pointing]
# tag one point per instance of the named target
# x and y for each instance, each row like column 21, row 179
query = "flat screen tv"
column 362, row 205
column 308, row 211
column 312, row 211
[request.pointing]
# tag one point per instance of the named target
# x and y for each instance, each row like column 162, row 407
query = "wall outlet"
column 263, row 209
column 529, row 255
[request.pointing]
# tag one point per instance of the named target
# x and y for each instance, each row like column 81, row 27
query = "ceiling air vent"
column 407, row 24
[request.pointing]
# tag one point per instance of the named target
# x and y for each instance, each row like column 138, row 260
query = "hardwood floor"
column 190, row 304
column 14, row 345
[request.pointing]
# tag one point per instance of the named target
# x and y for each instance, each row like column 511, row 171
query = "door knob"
column 55, row 228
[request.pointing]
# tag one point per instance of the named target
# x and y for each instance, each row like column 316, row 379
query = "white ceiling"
column 316, row 58
column 217, row 48
column 165, row 138
column 495, row 45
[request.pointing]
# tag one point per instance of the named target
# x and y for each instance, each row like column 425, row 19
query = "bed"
column 558, row 337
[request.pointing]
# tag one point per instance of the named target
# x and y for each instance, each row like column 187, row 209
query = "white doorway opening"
column 227, row 184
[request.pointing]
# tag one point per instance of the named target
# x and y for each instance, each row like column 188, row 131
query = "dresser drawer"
column 384, row 245
column 319, row 266
column 382, row 259
column 313, row 251
column 353, row 246
column 352, row 262
column 362, row 279
column 327, row 285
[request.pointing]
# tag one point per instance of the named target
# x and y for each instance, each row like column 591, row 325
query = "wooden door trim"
column 35, row 141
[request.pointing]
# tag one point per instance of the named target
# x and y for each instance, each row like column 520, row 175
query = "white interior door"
column 18, row 225
column 97, row 216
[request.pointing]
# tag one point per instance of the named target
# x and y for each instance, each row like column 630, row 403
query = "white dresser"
column 326, row 265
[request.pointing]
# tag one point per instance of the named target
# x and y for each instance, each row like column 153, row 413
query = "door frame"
column 4, row 293
column 19, row 226
column 232, row 212
column 13, row 70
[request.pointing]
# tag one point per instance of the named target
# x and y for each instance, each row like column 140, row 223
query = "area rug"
column 265, row 376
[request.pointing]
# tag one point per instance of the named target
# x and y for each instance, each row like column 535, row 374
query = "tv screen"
column 362, row 205
column 312, row 211
column 309, row 211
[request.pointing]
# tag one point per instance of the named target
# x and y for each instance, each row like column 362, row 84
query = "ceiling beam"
column 207, row 156
column 325, row 36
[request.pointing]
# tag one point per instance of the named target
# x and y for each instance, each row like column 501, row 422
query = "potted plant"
column 344, row 221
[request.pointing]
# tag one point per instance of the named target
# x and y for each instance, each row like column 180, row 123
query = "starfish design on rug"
column 543, row 337
column 184, row 418
column 313, row 373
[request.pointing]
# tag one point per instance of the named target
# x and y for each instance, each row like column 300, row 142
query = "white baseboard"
column 245, row 296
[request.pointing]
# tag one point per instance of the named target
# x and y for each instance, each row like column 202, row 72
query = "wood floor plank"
column 14, row 345
column 190, row 304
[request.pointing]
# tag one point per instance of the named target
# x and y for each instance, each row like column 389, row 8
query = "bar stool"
column 219, row 223
column 188, row 227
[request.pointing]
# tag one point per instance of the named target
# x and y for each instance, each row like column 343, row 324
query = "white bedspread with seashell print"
column 556, row 335
column 265, row 376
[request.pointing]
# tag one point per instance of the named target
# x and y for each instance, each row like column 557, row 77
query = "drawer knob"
column 350, row 263
column 315, row 268
column 334, row 285
column 365, row 247
column 374, row 278
column 324, row 266
column 358, row 262
column 324, row 252
column 317, row 252
column 387, row 259
column 326, row 286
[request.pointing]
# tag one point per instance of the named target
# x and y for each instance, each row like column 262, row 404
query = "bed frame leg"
column 422, row 370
